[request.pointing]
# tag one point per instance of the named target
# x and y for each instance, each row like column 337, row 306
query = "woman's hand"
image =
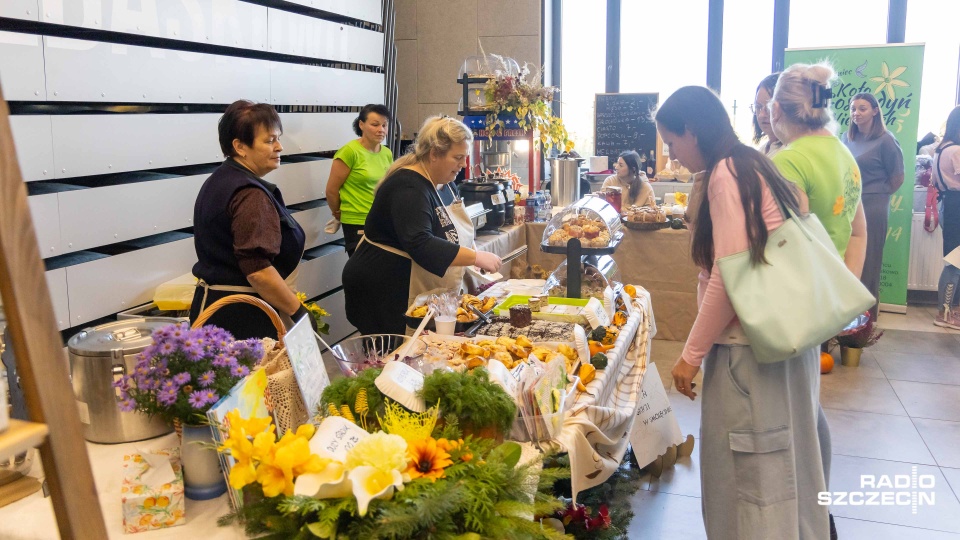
column 488, row 261
column 683, row 374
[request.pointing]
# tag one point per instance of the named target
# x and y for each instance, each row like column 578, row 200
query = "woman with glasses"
column 880, row 160
column 761, row 117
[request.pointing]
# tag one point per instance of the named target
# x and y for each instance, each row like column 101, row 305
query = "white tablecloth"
column 32, row 518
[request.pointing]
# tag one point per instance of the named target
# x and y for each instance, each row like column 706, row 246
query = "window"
column 747, row 57
column 663, row 45
column 827, row 23
column 934, row 22
column 583, row 69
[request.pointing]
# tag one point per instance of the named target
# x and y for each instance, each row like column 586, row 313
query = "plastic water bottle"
column 547, row 205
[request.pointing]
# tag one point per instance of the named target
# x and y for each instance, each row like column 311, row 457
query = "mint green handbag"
column 802, row 298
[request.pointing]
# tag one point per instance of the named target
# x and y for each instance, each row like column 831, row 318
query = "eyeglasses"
column 756, row 108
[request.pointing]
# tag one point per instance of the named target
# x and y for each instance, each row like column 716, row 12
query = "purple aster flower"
column 207, row 379
column 179, row 332
column 128, row 405
column 182, row 378
column 169, row 384
column 148, row 384
column 232, row 364
column 167, row 347
column 239, row 371
column 167, row 396
column 122, row 382
column 210, row 397
column 196, row 399
column 193, row 353
column 221, row 360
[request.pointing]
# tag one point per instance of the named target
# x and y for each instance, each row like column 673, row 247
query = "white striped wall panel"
column 322, row 274
column 100, row 216
column 232, row 23
column 298, row 84
column 33, row 139
column 44, row 211
column 21, row 67
column 340, row 328
column 80, row 70
column 365, row 10
column 301, row 182
column 106, row 286
column 304, row 133
column 313, row 222
column 290, row 33
column 926, row 256
column 57, row 284
column 132, row 142
column 20, row 9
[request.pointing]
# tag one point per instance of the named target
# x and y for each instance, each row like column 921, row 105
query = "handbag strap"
column 938, row 181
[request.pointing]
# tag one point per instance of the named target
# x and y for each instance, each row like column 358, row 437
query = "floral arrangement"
column 317, row 312
column 406, row 481
column 185, row 371
column 528, row 100
column 861, row 338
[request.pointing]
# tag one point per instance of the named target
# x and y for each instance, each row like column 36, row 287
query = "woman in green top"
column 827, row 175
column 356, row 169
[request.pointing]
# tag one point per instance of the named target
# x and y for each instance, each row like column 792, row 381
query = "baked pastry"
column 520, row 316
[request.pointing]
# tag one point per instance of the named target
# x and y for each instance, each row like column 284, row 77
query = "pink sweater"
column 715, row 317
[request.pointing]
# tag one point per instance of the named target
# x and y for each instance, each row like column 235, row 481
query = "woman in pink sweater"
column 759, row 420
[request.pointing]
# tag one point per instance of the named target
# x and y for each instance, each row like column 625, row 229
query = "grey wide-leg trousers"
column 760, row 464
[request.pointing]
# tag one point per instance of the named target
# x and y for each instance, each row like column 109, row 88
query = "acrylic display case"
column 596, row 274
column 592, row 221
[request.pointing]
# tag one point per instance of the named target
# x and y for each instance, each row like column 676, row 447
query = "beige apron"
column 422, row 280
column 291, row 282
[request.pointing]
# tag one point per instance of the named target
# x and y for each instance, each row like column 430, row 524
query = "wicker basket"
column 284, row 400
column 646, row 226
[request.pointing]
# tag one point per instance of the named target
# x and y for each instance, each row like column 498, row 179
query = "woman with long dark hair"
column 946, row 176
column 761, row 117
column 880, row 161
column 759, row 420
column 633, row 183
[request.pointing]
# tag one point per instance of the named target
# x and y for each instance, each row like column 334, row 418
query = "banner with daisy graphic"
column 892, row 74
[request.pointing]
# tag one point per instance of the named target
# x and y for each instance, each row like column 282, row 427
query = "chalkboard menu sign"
column 624, row 122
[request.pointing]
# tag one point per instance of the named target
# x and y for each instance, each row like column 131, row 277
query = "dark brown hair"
column 698, row 110
column 876, row 128
column 241, row 120
column 382, row 110
column 632, row 159
column 951, row 133
column 768, row 83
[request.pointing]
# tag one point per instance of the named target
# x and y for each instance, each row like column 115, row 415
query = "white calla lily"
column 372, row 483
column 330, row 483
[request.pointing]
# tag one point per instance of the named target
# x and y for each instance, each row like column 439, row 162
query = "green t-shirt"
column 827, row 172
column 366, row 169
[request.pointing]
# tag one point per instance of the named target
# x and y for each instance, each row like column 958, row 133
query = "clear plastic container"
column 595, row 276
column 591, row 219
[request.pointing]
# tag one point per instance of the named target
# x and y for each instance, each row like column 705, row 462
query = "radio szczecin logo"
column 913, row 490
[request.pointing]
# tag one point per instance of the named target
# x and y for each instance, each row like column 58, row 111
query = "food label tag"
column 335, row 437
column 497, row 198
column 401, row 383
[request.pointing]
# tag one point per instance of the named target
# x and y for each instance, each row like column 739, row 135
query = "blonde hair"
column 794, row 94
column 437, row 135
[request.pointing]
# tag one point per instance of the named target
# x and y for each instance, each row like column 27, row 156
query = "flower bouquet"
column 402, row 475
column 853, row 342
column 528, row 100
column 317, row 312
column 186, row 371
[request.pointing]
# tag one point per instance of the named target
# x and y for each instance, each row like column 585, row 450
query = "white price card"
column 498, row 198
column 308, row 368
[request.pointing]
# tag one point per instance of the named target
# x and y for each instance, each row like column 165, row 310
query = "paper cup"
column 446, row 325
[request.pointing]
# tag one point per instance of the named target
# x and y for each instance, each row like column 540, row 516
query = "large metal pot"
column 565, row 181
column 99, row 356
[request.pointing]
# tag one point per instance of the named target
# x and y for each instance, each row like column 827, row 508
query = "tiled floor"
column 900, row 409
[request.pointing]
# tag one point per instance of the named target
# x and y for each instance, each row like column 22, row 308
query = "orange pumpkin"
column 826, row 362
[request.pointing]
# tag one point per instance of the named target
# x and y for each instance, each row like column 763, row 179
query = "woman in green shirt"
column 356, row 169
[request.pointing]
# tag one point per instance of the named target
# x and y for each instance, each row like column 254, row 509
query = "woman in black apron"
column 412, row 243
column 246, row 240
column 946, row 177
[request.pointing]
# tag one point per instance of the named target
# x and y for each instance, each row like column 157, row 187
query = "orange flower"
column 838, row 206
column 454, row 446
column 427, row 459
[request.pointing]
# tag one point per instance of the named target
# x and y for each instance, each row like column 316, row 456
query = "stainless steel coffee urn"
column 99, row 356
column 565, row 182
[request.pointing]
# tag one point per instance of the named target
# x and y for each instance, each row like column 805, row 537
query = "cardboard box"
column 147, row 507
